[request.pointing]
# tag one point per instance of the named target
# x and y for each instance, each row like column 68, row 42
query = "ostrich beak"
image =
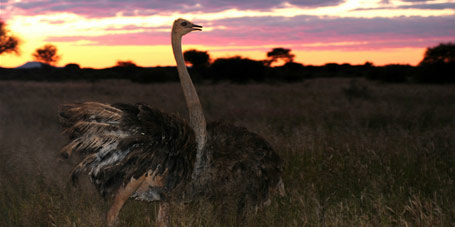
column 196, row 27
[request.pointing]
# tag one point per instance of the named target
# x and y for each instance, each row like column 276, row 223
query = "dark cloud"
column 101, row 8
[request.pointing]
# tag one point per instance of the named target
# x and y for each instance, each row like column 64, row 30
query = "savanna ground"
column 356, row 153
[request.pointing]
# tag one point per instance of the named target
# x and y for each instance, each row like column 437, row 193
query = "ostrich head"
column 182, row 27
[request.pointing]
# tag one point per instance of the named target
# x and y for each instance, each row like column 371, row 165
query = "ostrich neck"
column 196, row 115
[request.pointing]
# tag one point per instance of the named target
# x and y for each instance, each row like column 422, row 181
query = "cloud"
column 417, row 0
column 430, row 6
column 325, row 28
column 303, row 32
column 414, row 6
column 104, row 8
column 308, row 32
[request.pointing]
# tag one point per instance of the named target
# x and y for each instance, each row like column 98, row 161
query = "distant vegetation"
column 437, row 66
column 243, row 70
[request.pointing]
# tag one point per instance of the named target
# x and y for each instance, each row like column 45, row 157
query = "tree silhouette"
column 279, row 53
column 47, row 54
column 438, row 64
column 8, row 42
column 128, row 64
column 441, row 54
column 197, row 58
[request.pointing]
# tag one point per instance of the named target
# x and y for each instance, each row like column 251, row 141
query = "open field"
column 356, row 153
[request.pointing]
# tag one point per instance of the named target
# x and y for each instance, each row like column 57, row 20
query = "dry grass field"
column 356, row 153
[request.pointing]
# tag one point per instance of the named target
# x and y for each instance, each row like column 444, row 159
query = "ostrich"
column 136, row 151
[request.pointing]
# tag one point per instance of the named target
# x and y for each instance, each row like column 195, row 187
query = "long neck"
column 197, row 119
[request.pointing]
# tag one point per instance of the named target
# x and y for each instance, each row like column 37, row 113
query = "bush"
column 392, row 73
column 238, row 70
column 72, row 67
column 153, row 75
column 289, row 72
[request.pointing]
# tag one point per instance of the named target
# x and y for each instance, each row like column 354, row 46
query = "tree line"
column 437, row 66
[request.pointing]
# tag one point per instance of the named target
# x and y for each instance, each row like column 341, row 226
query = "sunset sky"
column 97, row 33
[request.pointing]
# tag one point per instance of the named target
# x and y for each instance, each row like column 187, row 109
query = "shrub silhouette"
column 436, row 73
column 127, row 63
column 289, row 72
column 72, row 66
column 154, row 75
column 197, row 59
column 238, row 70
column 393, row 73
column 200, row 61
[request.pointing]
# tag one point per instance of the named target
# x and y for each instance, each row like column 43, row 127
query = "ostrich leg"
column 121, row 197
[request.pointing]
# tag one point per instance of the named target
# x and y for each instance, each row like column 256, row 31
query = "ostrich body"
column 136, row 151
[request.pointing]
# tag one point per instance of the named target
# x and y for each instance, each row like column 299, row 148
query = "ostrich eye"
column 184, row 24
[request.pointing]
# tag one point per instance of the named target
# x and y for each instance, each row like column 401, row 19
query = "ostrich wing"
column 122, row 141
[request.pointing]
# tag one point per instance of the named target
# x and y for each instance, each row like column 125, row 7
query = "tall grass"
column 355, row 153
